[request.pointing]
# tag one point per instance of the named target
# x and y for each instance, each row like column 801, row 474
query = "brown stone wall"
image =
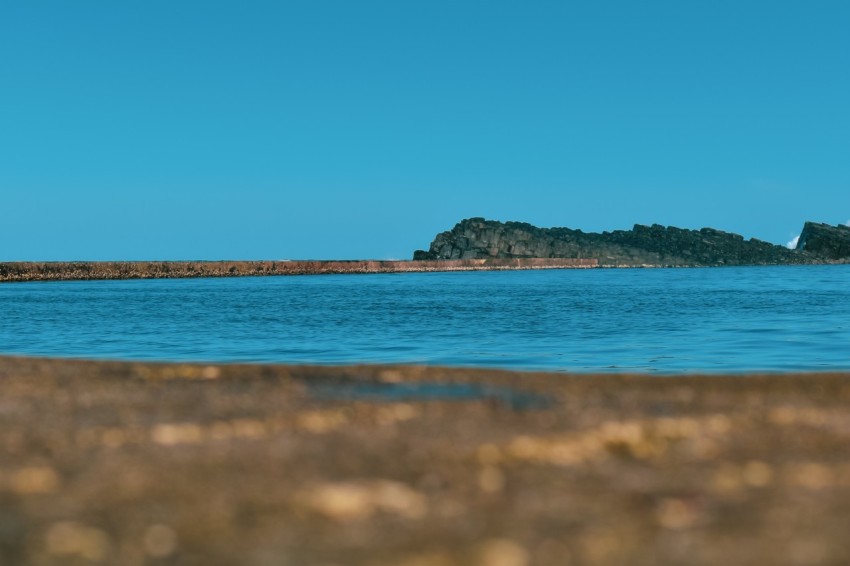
column 66, row 271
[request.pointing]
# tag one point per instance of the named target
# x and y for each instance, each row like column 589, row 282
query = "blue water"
column 648, row 320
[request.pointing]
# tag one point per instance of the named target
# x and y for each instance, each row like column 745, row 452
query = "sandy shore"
column 95, row 270
column 125, row 463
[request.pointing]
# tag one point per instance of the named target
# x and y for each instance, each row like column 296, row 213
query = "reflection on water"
column 650, row 320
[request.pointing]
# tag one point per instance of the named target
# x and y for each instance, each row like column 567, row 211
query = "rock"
column 656, row 245
column 825, row 241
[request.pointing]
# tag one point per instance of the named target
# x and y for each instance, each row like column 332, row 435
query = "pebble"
column 160, row 541
column 34, row 480
column 68, row 538
column 349, row 501
column 503, row 552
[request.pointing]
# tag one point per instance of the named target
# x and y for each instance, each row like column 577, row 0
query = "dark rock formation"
column 643, row 245
column 823, row 240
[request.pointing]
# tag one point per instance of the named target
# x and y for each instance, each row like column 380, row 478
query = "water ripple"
column 659, row 321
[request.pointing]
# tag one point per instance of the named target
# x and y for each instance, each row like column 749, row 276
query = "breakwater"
column 71, row 271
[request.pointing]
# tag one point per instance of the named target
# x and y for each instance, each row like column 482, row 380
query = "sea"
column 661, row 321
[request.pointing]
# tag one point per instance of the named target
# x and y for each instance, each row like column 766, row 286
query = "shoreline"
column 114, row 270
column 127, row 462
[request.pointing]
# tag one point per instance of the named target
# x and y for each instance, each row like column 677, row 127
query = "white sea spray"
column 792, row 243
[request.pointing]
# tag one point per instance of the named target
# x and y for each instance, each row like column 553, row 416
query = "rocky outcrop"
column 642, row 245
column 823, row 240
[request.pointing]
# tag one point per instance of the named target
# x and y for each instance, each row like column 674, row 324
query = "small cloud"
column 847, row 223
column 792, row 244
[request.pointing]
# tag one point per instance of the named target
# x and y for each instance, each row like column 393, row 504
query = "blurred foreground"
column 129, row 463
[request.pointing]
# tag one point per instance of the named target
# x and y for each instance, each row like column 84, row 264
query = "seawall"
column 71, row 271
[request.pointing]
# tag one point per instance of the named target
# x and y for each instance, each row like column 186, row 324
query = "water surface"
column 651, row 320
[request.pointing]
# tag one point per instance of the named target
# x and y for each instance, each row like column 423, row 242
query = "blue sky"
column 351, row 129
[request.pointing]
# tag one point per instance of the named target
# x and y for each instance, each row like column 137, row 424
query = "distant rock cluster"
column 823, row 240
column 654, row 245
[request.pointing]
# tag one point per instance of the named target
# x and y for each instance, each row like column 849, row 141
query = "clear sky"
column 201, row 129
